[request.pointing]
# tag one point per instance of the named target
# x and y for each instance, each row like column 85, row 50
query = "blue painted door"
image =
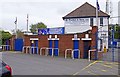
column 76, row 46
column 86, row 49
column 50, row 46
column 32, row 45
column 36, row 45
column 56, row 53
column 18, row 44
column 7, row 43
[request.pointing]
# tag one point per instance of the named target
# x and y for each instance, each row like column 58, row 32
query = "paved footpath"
column 109, row 55
column 32, row 64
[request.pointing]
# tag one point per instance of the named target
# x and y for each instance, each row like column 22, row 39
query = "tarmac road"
column 32, row 64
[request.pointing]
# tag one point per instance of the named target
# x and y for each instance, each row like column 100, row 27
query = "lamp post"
column 16, row 27
column 113, row 43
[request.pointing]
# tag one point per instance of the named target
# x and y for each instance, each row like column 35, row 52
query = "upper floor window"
column 101, row 21
column 91, row 21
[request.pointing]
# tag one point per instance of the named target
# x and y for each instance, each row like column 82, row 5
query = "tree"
column 20, row 33
column 5, row 36
column 35, row 27
column 117, row 32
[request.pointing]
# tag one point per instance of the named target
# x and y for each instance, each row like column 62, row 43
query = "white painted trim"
column 86, row 39
column 33, row 38
column 75, row 38
column 53, row 38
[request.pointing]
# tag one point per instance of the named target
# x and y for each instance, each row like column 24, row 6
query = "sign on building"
column 45, row 31
column 77, row 21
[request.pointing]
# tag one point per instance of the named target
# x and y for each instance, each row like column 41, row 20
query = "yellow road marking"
column 101, row 69
column 107, row 66
column 91, row 73
column 85, row 67
column 104, row 70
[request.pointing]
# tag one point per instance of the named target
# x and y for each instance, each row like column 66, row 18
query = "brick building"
column 80, row 33
column 81, row 41
column 83, row 18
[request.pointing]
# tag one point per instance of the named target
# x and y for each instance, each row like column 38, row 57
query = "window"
column 91, row 21
column 101, row 21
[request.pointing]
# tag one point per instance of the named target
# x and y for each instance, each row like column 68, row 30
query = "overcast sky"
column 49, row 12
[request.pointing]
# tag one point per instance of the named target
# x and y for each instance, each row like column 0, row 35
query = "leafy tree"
column 117, row 32
column 20, row 33
column 35, row 27
column 5, row 36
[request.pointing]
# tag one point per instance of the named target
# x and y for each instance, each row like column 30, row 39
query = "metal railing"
column 34, row 49
column 26, row 49
column 47, row 50
column 67, row 51
column 5, row 47
column 43, row 48
column 73, row 53
column 89, row 53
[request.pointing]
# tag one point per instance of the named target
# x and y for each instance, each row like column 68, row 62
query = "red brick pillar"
column 26, row 40
column 94, row 41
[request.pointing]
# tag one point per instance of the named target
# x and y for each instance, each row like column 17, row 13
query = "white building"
column 81, row 20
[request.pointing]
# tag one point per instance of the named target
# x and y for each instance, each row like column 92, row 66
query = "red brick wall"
column 43, row 41
column 26, row 40
column 65, row 41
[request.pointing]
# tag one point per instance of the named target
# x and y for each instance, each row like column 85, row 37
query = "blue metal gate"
column 18, row 44
column 56, row 47
column 76, row 46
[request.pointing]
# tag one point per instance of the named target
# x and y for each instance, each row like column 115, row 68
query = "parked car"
column 5, row 70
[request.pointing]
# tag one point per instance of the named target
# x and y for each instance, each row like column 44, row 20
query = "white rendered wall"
column 102, row 30
column 76, row 29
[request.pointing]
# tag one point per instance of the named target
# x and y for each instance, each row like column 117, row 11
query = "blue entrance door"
column 18, row 44
column 36, row 45
column 56, row 53
column 86, row 49
column 50, row 46
column 7, row 43
column 76, row 46
column 32, row 45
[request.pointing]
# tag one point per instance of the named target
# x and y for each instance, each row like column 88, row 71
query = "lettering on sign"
column 77, row 21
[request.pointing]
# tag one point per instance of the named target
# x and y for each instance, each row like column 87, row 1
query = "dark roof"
column 85, row 10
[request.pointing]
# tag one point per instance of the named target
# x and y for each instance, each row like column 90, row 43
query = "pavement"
column 112, row 56
column 33, row 64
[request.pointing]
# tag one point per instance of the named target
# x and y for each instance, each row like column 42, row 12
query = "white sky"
column 49, row 12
